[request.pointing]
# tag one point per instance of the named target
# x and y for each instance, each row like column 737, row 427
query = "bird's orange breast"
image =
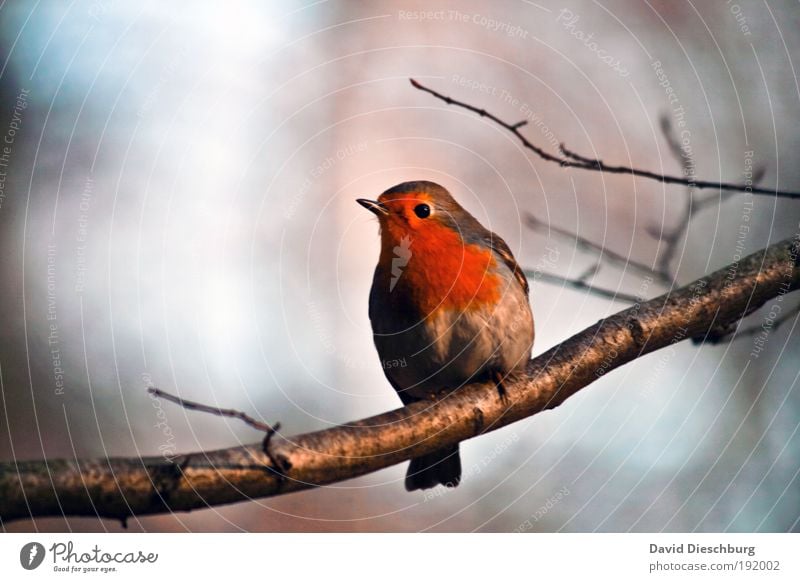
column 441, row 271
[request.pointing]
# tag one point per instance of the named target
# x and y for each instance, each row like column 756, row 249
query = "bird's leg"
column 501, row 388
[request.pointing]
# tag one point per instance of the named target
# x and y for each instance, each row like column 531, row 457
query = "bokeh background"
column 178, row 210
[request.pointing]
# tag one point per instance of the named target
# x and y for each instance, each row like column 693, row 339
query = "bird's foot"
column 501, row 389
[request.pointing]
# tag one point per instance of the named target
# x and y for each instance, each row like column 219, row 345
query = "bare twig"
column 269, row 430
column 684, row 159
column 672, row 238
column 571, row 159
column 600, row 166
column 733, row 333
column 580, row 285
column 589, row 272
column 229, row 412
column 602, row 252
column 118, row 487
column 662, row 271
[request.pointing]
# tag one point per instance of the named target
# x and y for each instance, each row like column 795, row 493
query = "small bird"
column 448, row 306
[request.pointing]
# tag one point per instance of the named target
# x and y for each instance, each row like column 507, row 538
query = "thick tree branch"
column 572, row 159
column 119, row 487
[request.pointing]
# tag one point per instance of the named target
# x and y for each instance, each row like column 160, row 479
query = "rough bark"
column 120, row 487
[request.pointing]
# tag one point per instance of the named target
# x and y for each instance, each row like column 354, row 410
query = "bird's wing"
column 500, row 247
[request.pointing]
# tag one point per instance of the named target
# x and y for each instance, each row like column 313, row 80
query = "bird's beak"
column 373, row 206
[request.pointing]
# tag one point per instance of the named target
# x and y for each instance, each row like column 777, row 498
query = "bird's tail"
column 442, row 467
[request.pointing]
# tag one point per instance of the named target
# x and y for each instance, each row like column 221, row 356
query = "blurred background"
column 177, row 209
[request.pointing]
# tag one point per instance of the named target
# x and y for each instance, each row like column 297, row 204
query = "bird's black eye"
column 422, row 210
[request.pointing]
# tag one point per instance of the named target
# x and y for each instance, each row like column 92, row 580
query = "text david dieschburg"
column 699, row 549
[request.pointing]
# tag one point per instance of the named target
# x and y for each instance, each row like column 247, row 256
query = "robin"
column 448, row 306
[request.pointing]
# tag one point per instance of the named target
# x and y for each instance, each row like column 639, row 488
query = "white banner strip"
column 387, row 557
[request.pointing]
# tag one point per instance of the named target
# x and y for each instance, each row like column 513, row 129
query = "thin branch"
column 694, row 203
column 734, row 333
column 118, row 487
column 662, row 272
column 580, row 285
column 684, row 159
column 602, row 252
column 589, row 272
column 228, row 412
column 600, row 166
column 269, row 430
column 674, row 237
column 571, row 159
column 512, row 127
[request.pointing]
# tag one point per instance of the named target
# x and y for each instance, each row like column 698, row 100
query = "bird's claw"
column 501, row 389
